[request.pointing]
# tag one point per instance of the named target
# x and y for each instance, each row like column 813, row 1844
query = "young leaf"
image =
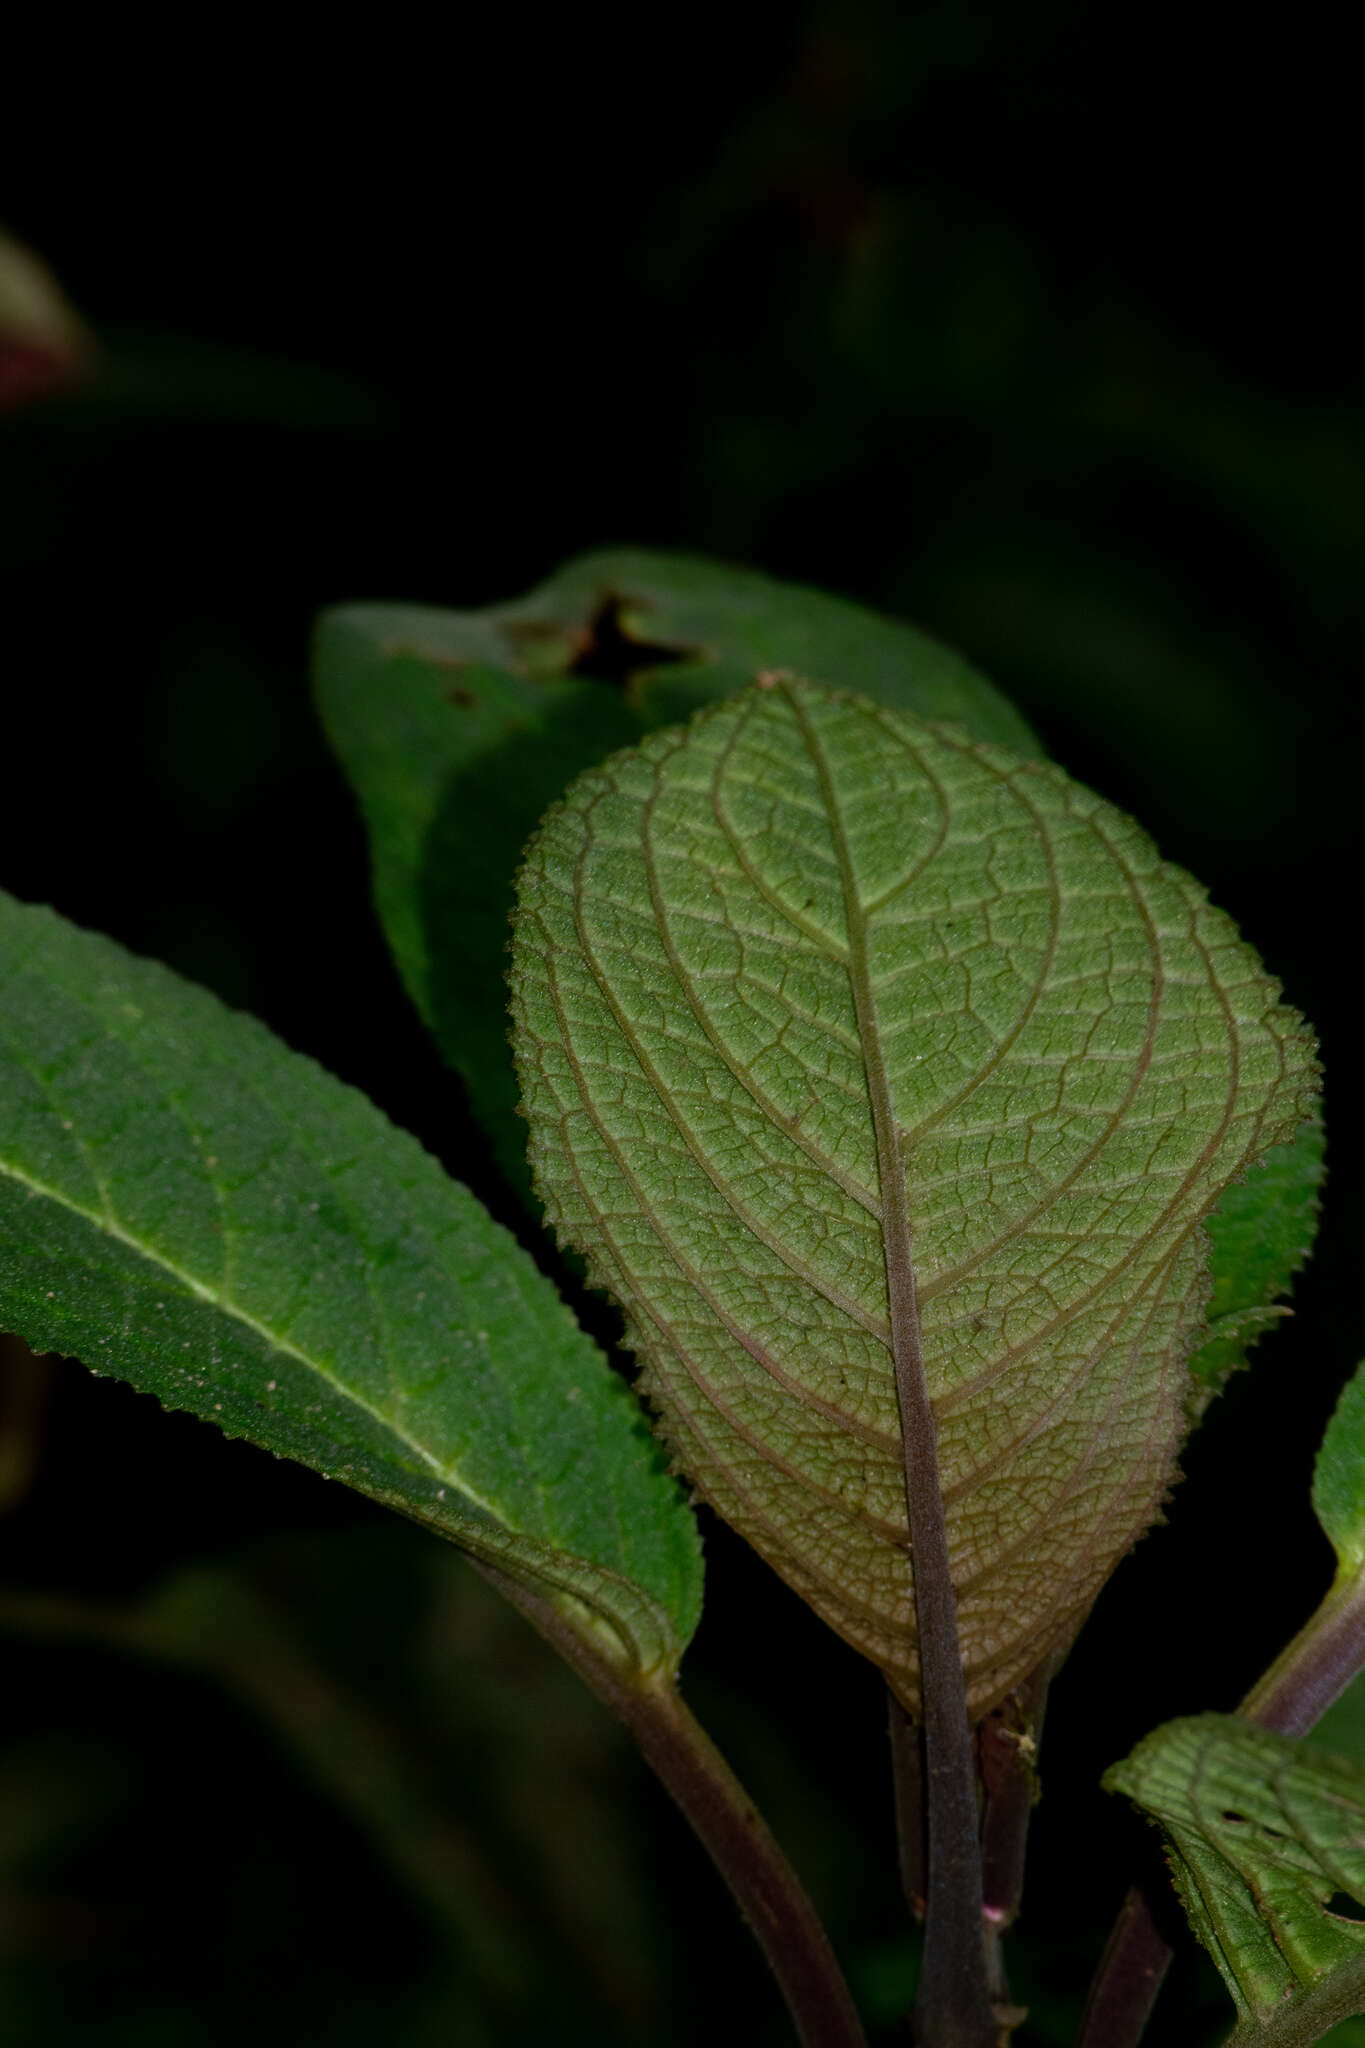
column 189, row 1205
column 1267, row 1848
column 1339, row 1479
column 457, row 730
column 819, row 1007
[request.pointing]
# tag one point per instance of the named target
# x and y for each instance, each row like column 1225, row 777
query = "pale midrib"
column 563, row 1582
column 108, row 1227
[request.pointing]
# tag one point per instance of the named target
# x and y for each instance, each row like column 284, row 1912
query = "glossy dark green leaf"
column 189, row 1205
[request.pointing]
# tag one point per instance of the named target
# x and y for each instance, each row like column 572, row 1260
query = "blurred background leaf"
column 43, row 344
column 1033, row 326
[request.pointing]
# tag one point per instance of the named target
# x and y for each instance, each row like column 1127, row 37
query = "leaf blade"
column 1339, row 1479
column 1260, row 1234
column 1263, row 1832
column 683, row 933
column 185, row 1202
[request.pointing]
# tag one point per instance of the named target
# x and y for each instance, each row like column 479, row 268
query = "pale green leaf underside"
column 1263, row 1833
column 189, row 1205
column 1339, row 1478
column 1078, row 1055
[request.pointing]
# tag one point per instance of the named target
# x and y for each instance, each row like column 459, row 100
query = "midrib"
column 954, row 1853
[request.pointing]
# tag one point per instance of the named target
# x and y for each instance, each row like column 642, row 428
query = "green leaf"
column 1259, row 1236
column 454, row 755
column 706, row 629
column 1265, row 1834
column 457, row 729
column 1341, row 1730
column 1339, row 1479
column 189, row 1205
column 810, row 964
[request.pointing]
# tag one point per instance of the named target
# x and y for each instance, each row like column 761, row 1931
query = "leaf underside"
column 1263, row 1833
column 748, row 947
column 189, row 1205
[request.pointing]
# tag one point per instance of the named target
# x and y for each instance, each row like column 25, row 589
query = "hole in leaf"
column 1343, row 1907
column 610, row 654
column 1237, row 1819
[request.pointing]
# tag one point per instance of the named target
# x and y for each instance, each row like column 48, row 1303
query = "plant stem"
column 1306, row 1678
column 907, row 1778
column 726, row 1821
column 953, row 2008
column 1313, row 1671
column 1006, row 1745
column 1131, row 1972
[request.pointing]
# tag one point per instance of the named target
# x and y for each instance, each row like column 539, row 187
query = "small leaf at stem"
column 818, row 1006
column 187, row 1204
column 1267, row 1848
column 1339, row 1479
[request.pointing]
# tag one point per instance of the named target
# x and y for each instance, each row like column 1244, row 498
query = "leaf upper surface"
column 1264, row 1833
column 746, row 948
column 187, row 1204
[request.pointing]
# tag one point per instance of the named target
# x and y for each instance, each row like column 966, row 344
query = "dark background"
column 1036, row 325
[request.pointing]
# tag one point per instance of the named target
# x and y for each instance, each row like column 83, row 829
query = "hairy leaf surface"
column 775, row 968
column 1265, row 1836
column 187, row 1204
